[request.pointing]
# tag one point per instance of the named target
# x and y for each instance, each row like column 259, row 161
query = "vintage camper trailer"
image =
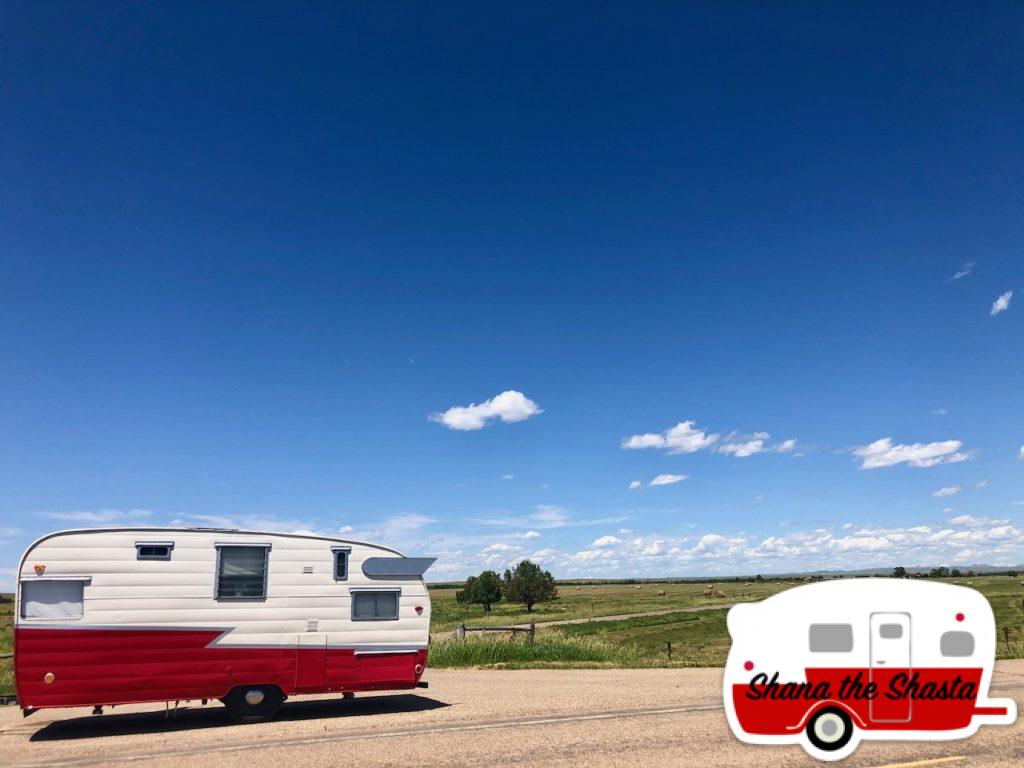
column 828, row 664
column 114, row 616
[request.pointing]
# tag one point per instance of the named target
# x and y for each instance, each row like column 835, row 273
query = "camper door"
column 890, row 656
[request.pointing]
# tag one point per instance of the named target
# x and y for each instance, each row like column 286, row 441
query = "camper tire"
column 830, row 729
column 253, row 703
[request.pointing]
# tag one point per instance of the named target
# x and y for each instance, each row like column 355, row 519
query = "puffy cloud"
column 1020, row 453
column 509, row 406
column 530, row 535
column 951, row 490
column 508, row 476
column 786, row 446
column 668, row 479
column 634, row 485
column 346, row 529
column 1002, row 303
column 939, row 412
column 882, row 453
column 744, row 447
column 684, row 437
column 605, row 541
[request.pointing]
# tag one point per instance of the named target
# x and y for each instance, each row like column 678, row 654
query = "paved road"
column 649, row 718
column 439, row 636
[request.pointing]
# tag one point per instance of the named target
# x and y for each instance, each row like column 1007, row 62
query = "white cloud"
column 1020, row 453
column 744, row 446
column 346, row 529
column 981, row 484
column 605, row 541
column 939, row 412
column 530, row 535
column 963, row 520
column 785, row 446
column 684, row 437
column 509, row 406
column 1002, row 303
column 508, row 476
column 951, row 490
column 634, row 485
column 668, row 479
column 625, row 531
column 882, row 453
column 965, row 270
column 100, row 516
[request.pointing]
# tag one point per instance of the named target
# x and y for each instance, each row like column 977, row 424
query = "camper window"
column 340, row 563
column 152, row 550
column 242, row 572
column 379, row 605
column 831, row 638
column 52, row 599
column 956, row 644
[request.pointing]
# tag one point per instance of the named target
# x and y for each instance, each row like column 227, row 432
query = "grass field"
column 588, row 600
column 6, row 644
column 698, row 639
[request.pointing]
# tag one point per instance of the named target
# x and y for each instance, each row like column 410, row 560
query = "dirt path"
column 438, row 636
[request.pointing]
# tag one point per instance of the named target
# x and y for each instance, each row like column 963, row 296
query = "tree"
column 899, row 572
column 955, row 572
column 484, row 590
column 939, row 573
column 528, row 584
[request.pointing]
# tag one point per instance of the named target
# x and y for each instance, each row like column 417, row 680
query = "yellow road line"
column 920, row 763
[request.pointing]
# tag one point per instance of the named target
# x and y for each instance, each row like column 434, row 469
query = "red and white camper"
column 115, row 616
column 828, row 664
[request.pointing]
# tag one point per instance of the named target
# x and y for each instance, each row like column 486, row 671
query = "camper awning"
column 397, row 567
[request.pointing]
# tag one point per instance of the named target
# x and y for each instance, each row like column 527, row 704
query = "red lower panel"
column 780, row 715
column 99, row 666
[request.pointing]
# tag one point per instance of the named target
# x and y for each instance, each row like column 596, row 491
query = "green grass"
column 6, row 644
column 588, row 600
column 549, row 650
column 698, row 639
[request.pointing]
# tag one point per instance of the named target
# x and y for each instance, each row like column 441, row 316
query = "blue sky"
column 253, row 256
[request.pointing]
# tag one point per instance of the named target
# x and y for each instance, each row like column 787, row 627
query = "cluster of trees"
column 942, row 572
column 527, row 583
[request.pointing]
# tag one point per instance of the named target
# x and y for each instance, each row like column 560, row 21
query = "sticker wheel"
column 830, row 729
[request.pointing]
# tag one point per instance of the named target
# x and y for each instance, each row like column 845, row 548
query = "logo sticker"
column 826, row 665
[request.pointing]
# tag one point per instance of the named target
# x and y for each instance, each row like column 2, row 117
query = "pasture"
column 580, row 601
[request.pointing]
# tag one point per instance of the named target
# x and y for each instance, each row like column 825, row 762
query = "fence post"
column 533, row 630
column 669, row 644
column 460, row 632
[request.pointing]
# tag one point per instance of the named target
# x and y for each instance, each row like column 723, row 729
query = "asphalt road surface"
column 649, row 718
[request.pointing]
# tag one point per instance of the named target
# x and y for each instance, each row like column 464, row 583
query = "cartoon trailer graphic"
column 827, row 664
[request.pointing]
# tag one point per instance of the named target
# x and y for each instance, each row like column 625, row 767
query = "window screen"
column 340, row 564
column 242, row 574
column 153, row 551
column 831, row 638
column 374, row 606
column 57, row 599
column 956, row 644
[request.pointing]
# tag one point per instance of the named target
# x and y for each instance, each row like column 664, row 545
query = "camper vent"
column 307, row 569
column 312, row 625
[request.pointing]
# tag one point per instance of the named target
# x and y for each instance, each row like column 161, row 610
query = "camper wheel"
column 253, row 703
column 830, row 729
